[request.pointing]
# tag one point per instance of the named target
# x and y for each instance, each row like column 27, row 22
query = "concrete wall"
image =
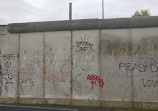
column 58, row 67
column 31, row 84
column 10, row 65
column 99, row 67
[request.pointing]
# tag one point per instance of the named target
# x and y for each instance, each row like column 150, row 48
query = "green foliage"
column 142, row 13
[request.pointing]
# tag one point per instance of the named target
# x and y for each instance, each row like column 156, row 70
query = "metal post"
column 102, row 9
column 70, row 11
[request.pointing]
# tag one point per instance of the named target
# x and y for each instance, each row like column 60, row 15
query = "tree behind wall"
column 142, row 13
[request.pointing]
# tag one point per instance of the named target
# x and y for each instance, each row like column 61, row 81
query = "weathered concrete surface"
column 145, row 81
column 104, row 67
column 87, row 24
column 115, row 49
column 85, row 52
column 145, row 52
column 31, row 83
column 57, row 67
column 9, row 64
column 132, row 53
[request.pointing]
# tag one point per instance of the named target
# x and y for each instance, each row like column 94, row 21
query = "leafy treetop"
column 142, row 13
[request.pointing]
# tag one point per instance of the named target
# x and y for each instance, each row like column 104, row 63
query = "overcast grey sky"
column 13, row 11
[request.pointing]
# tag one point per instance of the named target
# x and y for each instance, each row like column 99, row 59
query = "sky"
column 18, row 11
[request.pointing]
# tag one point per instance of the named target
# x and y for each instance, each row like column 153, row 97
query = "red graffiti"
column 94, row 79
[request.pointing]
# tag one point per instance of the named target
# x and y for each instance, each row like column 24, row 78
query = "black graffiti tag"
column 7, row 75
column 138, row 66
column 150, row 83
column 84, row 47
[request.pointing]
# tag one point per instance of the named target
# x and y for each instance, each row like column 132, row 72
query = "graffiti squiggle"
column 84, row 47
column 94, row 79
column 7, row 75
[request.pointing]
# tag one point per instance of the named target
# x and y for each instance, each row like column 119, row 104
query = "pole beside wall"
column 70, row 11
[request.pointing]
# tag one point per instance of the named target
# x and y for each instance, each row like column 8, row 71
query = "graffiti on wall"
column 139, row 67
column 143, row 69
column 83, row 58
column 94, row 79
column 56, row 70
column 150, row 83
column 8, row 57
column 84, row 47
column 7, row 75
column 31, row 68
column 83, row 65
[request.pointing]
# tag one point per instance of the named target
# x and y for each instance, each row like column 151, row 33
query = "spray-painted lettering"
column 8, row 57
column 94, row 79
column 150, row 83
column 138, row 66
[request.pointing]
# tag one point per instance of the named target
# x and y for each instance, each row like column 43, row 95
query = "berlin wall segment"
column 84, row 51
column 7, row 73
column 83, row 62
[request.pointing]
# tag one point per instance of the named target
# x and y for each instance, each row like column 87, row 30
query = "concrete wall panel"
column 115, row 50
column 145, row 63
column 86, row 74
column 31, row 65
column 9, row 64
column 57, row 66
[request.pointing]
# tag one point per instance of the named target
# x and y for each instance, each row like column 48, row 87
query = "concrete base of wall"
column 8, row 100
column 116, row 104
column 58, row 101
column 80, row 103
column 88, row 108
column 30, row 101
column 145, row 105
